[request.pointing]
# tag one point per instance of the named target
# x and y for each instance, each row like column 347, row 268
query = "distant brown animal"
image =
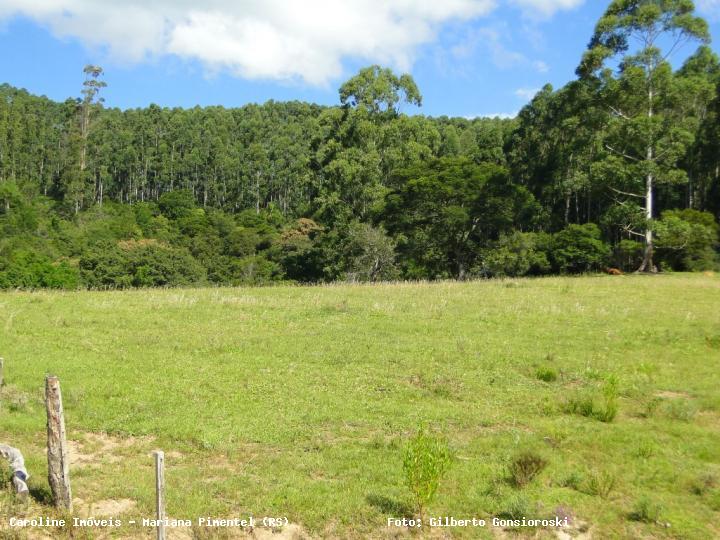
column 613, row 271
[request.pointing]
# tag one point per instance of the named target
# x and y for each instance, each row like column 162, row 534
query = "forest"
column 618, row 169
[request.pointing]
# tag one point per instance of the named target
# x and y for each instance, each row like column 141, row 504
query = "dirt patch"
column 96, row 448
column 670, row 394
column 103, row 509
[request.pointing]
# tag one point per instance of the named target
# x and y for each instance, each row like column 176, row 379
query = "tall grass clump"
column 426, row 460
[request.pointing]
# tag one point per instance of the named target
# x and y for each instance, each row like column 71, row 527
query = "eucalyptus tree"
column 89, row 103
column 645, row 139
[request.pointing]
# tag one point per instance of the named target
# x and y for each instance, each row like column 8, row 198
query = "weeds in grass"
column 714, row 501
column 648, row 369
column 645, row 511
column 573, row 480
column 13, row 398
column 600, row 484
column 603, row 407
column 713, row 341
column 524, row 467
column 645, row 450
column 516, row 506
column 703, row 484
column 651, row 407
column 556, row 436
column 426, row 460
column 680, row 409
column 547, row 374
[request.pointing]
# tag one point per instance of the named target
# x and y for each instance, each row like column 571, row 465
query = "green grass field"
column 298, row 401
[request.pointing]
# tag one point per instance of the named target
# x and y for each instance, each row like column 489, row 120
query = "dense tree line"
column 620, row 168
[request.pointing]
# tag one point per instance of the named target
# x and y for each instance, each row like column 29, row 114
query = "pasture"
column 298, row 401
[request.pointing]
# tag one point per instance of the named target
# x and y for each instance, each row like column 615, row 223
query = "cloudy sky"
column 469, row 57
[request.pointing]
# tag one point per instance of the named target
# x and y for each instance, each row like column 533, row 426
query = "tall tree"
column 644, row 140
column 90, row 100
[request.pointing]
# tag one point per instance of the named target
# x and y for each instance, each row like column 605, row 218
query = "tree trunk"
column 647, row 263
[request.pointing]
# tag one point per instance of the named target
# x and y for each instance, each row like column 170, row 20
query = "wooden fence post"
column 2, row 371
column 160, row 492
column 57, row 453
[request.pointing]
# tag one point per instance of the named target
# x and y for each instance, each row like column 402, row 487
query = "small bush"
column 703, row 484
column 645, row 511
column 603, row 407
column 524, row 467
column 426, row 460
column 600, row 484
column 579, row 248
column 546, row 374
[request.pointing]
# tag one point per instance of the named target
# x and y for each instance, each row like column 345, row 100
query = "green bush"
column 426, row 460
column 28, row 270
column 600, row 484
column 602, row 406
column 645, row 510
column 516, row 254
column 546, row 374
column 579, row 248
column 144, row 263
column 687, row 240
column 524, row 467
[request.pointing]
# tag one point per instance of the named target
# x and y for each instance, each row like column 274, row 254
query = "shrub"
column 579, row 248
column 516, row 254
column 546, row 374
column 144, row 263
column 600, row 484
column 28, row 270
column 426, row 460
column 703, row 484
column 686, row 240
column 603, row 406
column 645, row 511
column 524, row 467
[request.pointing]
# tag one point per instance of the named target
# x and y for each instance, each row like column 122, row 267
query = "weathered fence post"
column 160, row 492
column 57, row 453
column 2, row 371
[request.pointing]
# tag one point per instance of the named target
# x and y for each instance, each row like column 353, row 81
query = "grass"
column 298, row 401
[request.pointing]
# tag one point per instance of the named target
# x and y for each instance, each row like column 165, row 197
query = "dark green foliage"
column 29, row 270
column 140, row 264
column 363, row 192
column 687, row 240
column 546, row 374
column 525, row 466
column 579, row 248
column 516, row 254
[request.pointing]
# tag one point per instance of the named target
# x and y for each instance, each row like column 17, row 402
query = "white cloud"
column 269, row 39
column 541, row 67
column 526, row 93
column 493, row 39
column 546, row 8
column 711, row 8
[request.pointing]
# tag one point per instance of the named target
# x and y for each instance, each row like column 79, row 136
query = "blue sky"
column 469, row 57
